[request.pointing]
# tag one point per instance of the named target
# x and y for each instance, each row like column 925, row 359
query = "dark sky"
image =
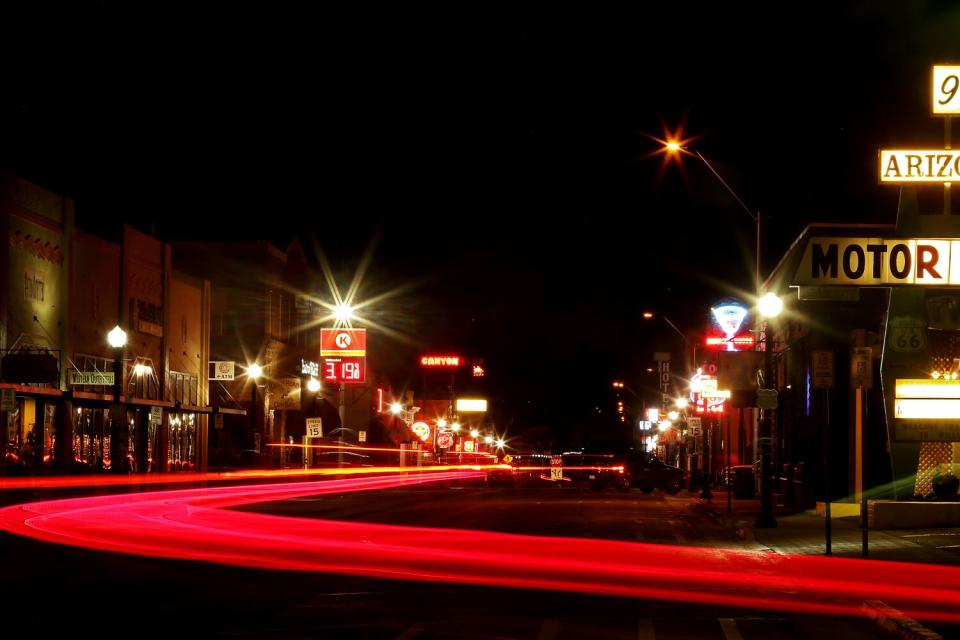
column 499, row 156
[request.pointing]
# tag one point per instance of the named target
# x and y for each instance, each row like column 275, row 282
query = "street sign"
column 156, row 415
column 344, row 369
column 507, row 459
column 946, row 90
column 822, row 374
column 661, row 356
column 766, row 399
column 444, row 439
column 102, row 378
column 362, row 436
column 309, row 368
column 343, row 342
column 218, row 421
column 861, row 368
column 8, row 400
column 314, row 427
column 468, row 446
column 556, row 467
column 907, row 334
column 695, row 424
column 221, row 370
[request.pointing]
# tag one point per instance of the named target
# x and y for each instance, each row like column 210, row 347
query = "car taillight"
column 620, row 469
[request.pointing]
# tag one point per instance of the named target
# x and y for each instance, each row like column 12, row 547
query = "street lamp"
column 650, row 315
column 117, row 339
column 673, row 147
column 254, row 371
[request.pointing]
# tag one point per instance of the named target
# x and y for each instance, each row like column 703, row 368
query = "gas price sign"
column 344, row 369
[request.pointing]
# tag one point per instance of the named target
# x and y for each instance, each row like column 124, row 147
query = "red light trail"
column 195, row 524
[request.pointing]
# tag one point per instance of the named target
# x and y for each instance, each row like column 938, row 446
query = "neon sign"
column 421, row 430
column 440, row 361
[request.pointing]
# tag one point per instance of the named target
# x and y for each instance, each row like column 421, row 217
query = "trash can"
column 742, row 483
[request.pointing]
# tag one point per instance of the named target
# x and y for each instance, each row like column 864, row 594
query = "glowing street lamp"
column 455, row 427
column 681, row 403
column 442, row 423
column 313, row 385
column 474, row 433
column 673, row 415
column 770, row 305
column 501, row 443
column 344, row 313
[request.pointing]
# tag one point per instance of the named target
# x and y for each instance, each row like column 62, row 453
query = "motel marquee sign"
column 880, row 262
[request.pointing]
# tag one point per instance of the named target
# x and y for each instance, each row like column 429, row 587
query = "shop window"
column 182, row 388
column 142, row 381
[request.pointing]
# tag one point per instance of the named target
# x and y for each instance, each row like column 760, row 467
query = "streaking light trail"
column 61, row 482
column 195, row 525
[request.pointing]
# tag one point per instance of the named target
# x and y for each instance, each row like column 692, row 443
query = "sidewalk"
column 803, row 533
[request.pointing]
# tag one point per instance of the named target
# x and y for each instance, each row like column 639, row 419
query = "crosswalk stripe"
column 730, row 629
column 412, row 631
column 549, row 629
column 645, row 629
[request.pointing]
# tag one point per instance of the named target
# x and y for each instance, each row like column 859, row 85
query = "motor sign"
column 343, row 342
column 347, row 369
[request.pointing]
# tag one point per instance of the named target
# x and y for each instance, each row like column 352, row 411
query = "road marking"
column 412, row 631
column 729, row 628
column 549, row 629
column 645, row 629
column 928, row 535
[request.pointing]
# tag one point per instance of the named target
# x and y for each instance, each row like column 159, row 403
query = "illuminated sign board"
column 927, row 410
column 741, row 342
column 919, row 165
column 653, row 414
column 343, row 342
column 471, row 405
column 478, row 371
column 705, row 395
column 946, row 89
column 309, row 368
column 347, row 369
column 879, row 262
column 421, row 430
column 440, row 361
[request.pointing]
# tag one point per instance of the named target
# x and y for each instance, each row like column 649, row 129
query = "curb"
column 897, row 624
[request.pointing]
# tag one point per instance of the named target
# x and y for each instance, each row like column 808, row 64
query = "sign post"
column 822, row 378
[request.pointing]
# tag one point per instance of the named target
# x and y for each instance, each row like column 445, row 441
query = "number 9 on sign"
column 946, row 83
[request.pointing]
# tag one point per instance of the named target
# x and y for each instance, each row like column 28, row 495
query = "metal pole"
column 864, row 516
column 117, row 413
column 766, row 520
column 828, row 521
column 253, row 423
column 343, row 421
column 729, row 478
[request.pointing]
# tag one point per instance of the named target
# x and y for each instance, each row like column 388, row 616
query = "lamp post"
column 117, row 339
column 769, row 307
column 254, row 371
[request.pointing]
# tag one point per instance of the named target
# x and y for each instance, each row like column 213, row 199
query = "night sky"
column 497, row 160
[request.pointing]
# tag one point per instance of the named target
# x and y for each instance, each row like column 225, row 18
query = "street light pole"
column 769, row 306
column 254, row 371
column 117, row 339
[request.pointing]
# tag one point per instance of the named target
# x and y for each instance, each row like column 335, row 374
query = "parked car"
column 647, row 473
column 596, row 470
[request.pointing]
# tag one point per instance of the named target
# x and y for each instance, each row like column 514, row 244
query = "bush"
column 945, row 485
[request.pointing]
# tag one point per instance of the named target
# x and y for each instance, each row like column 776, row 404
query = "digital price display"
column 344, row 369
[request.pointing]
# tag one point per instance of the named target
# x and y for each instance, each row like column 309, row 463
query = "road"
column 58, row 587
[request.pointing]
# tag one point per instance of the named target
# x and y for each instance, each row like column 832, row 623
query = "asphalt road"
column 48, row 588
